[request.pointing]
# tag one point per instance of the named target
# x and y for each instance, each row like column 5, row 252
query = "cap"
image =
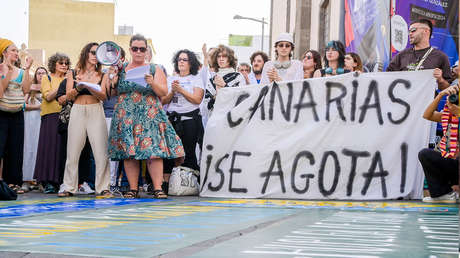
column 285, row 37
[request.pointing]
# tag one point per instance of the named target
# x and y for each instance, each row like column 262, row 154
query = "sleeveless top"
column 13, row 97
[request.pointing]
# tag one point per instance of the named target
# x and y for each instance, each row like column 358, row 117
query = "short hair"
column 84, row 53
column 316, row 58
column 192, row 60
column 232, row 61
column 56, row 58
column 339, row 47
column 138, row 37
column 426, row 22
column 245, row 64
column 35, row 80
column 259, row 53
column 357, row 60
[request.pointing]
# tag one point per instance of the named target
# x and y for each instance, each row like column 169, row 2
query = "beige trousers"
column 87, row 120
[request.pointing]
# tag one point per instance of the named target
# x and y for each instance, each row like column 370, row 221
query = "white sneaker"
column 447, row 198
column 85, row 189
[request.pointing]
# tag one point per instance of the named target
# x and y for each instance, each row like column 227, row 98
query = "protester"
column 140, row 129
column 283, row 68
column 353, row 62
column 422, row 56
column 311, row 63
column 334, row 60
column 258, row 60
column 14, row 84
column 109, row 105
column 47, row 170
column 185, row 93
column 441, row 164
column 244, row 69
column 32, row 127
column 223, row 62
column 86, row 119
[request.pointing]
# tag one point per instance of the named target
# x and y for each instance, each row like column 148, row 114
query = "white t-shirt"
column 293, row 73
column 179, row 103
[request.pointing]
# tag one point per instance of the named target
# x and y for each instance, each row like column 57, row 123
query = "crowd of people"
column 60, row 133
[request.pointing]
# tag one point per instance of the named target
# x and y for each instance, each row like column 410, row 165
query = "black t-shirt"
column 408, row 59
column 62, row 89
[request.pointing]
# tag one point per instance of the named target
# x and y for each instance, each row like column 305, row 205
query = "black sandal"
column 159, row 194
column 106, row 194
column 131, row 194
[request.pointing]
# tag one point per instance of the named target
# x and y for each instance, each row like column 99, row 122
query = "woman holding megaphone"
column 86, row 119
column 140, row 129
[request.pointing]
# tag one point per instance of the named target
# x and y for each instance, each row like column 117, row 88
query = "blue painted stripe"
column 68, row 206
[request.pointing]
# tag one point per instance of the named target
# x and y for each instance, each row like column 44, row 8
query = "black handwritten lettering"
column 300, row 105
column 221, row 173
column 234, row 170
column 208, row 165
column 232, row 123
column 308, row 155
column 376, row 160
column 285, row 111
column 372, row 91
column 402, row 186
column 259, row 104
column 354, row 157
column 276, row 159
column 353, row 100
column 407, row 85
column 323, row 191
column 337, row 100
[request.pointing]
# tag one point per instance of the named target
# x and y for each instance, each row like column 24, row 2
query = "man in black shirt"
column 422, row 56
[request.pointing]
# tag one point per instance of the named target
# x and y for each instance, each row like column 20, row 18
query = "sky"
column 172, row 24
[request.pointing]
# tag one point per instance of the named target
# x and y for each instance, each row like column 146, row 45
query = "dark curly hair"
column 339, row 47
column 57, row 58
column 232, row 61
column 192, row 60
column 259, row 53
column 81, row 65
column 316, row 58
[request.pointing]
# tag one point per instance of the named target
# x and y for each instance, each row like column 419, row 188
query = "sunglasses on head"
column 136, row 49
column 63, row 62
column 182, row 59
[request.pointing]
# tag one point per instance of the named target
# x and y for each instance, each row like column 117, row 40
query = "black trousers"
column 440, row 173
column 12, row 146
column 189, row 136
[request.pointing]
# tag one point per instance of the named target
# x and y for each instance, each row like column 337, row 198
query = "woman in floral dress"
column 140, row 129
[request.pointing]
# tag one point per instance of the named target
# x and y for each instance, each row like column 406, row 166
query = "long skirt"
column 31, row 134
column 47, row 167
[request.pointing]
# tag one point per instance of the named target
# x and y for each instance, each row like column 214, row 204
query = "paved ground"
column 39, row 225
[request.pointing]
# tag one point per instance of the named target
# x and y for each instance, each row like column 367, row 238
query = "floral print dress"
column 140, row 128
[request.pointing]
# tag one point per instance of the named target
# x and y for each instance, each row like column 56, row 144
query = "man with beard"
column 258, row 59
column 421, row 56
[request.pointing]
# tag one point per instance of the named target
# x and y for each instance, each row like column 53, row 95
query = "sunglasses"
column 281, row 45
column 63, row 63
column 136, row 49
column 93, row 52
column 414, row 29
column 182, row 59
column 308, row 57
column 41, row 73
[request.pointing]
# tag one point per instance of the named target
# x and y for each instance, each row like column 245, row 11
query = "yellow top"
column 49, row 107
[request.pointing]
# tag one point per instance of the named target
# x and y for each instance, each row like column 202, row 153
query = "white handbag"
column 183, row 181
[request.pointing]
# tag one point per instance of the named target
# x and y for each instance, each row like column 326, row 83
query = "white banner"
column 343, row 137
